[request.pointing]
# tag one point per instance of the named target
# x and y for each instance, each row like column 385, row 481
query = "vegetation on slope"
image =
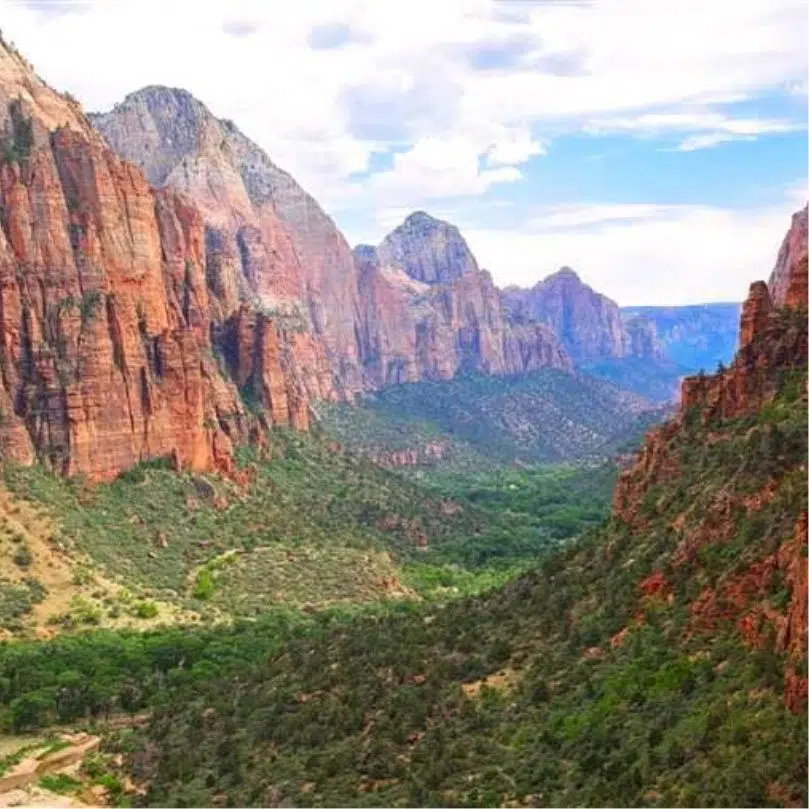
column 654, row 379
column 622, row 671
column 600, row 679
column 314, row 527
column 485, row 421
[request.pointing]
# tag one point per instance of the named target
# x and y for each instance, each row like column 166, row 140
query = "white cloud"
column 570, row 216
column 295, row 77
column 514, row 148
column 708, row 127
column 462, row 102
column 642, row 254
column 707, row 141
column 437, row 168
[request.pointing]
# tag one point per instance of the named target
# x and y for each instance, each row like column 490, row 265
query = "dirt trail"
column 43, row 760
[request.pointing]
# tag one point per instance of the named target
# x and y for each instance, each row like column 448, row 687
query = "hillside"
column 305, row 526
column 660, row 661
column 475, row 421
column 657, row 379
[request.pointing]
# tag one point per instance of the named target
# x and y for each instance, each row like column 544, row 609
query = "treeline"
column 101, row 672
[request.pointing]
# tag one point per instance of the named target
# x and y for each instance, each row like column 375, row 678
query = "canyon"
column 137, row 323
column 168, row 291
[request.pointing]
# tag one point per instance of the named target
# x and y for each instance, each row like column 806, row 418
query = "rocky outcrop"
column 770, row 338
column 773, row 346
column 427, row 454
column 588, row 324
column 414, row 330
column 787, row 282
column 641, row 338
column 755, row 314
column 106, row 313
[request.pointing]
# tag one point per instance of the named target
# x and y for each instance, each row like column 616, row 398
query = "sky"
column 659, row 147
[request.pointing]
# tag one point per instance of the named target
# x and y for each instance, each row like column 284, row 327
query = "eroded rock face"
column 413, row 330
column 641, row 338
column 425, row 455
column 588, row 324
column 773, row 341
column 269, row 242
column 755, row 314
column 416, row 307
column 428, row 250
column 787, row 283
column 105, row 311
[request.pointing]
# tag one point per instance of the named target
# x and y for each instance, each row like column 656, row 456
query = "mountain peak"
column 428, row 249
column 419, row 218
column 565, row 272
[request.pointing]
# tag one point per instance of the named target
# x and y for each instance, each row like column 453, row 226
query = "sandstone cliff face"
column 415, row 329
column 786, row 272
column 588, row 324
column 268, row 240
column 773, row 344
column 106, row 356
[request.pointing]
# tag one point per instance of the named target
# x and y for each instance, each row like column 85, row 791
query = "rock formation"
column 787, row 283
column 773, row 345
column 106, row 309
column 430, row 313
column 417, row 307
column 428, row 250
column 267, row 238
column 641, row 338
column 589, row 325
column 268, row 242
column 695, row 337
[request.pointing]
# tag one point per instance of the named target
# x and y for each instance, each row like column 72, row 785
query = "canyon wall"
column 588, row 324
column 772, row 355
column 106, row 310
column 417, row 307
column 430, row 312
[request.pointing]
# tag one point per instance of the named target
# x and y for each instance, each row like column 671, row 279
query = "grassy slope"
column 548, row 416
column 314, row 527
column 572, row 685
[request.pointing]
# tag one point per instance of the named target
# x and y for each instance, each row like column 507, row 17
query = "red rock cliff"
column 429, row 312
column 787, row 283
column 105, row 315
column 773, row 341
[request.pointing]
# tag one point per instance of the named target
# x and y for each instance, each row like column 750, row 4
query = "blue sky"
column 658, row 147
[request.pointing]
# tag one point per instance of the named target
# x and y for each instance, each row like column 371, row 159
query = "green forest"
column 573, row 683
